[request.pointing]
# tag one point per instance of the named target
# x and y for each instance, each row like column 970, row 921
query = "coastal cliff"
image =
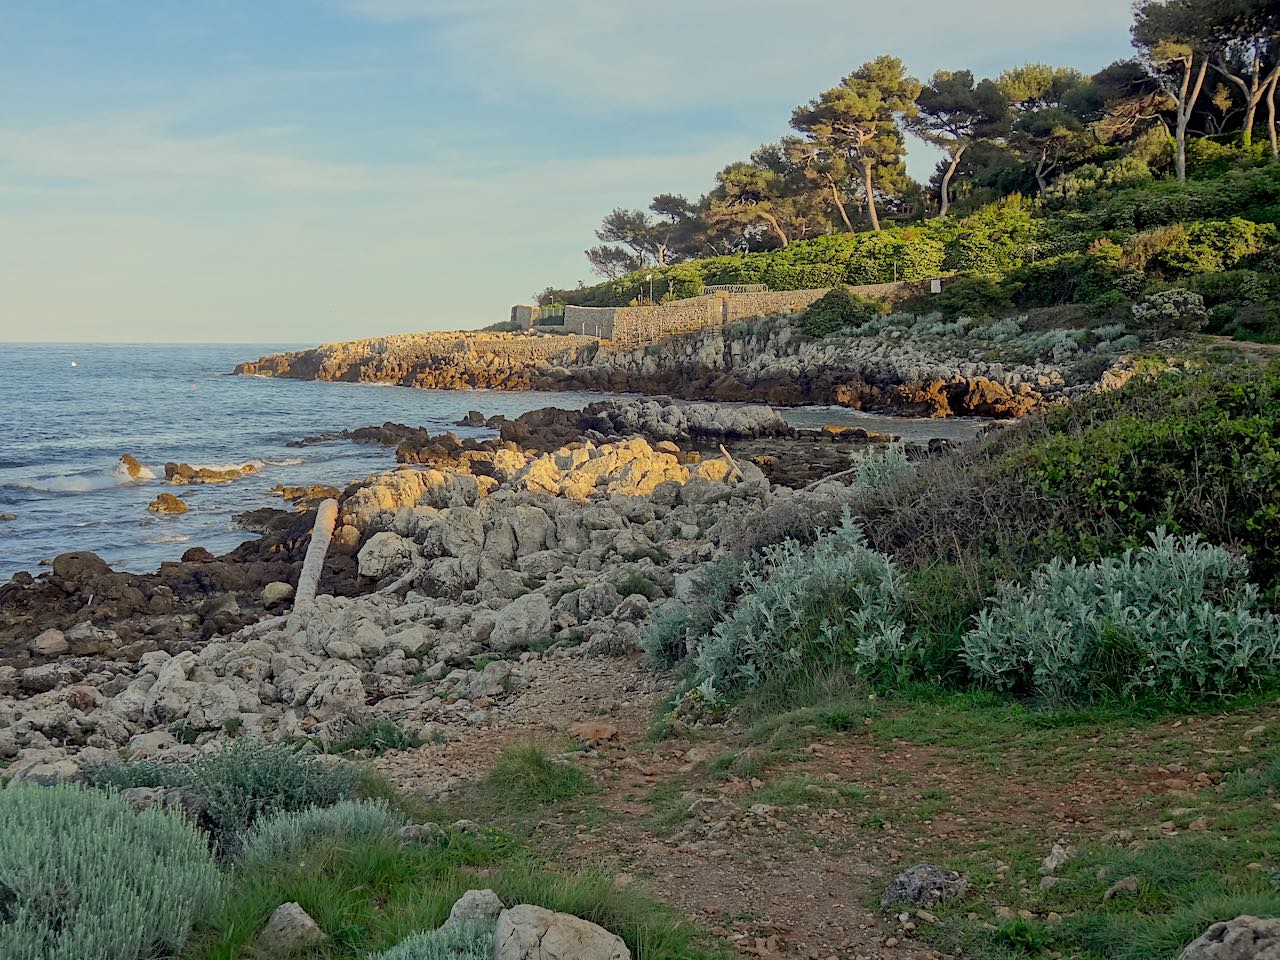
column 910, row 366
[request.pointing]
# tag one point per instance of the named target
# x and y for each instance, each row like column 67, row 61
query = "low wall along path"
column 628, row 326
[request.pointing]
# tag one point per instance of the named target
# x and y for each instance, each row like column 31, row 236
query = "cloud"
column 731, row 54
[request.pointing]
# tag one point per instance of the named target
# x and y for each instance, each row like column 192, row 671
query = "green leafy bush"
column 82, row 875
column 1178, row 618
column 460, row 941
column 835, row 602
column 290, row 834
column 835, row 311
column 242, row 782
column 1171, row 312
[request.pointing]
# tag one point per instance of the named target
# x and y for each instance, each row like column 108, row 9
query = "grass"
column 373, row 896
column 527, row 776
column 376, row 737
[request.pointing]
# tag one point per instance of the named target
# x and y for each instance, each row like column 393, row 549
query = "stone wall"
column 626, row 326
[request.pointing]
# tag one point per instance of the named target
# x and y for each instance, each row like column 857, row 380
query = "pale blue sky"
column 307, row 170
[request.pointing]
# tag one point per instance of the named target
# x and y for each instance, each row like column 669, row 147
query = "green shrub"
column 835, row 601
column 638, row 583
column 1171, row 312
column 461, row 941
column 835, row 311
column 666, row 641
column 242, row 782
column 375, row 736
column 84, row 876
column 289, row 835
column 1177, row 618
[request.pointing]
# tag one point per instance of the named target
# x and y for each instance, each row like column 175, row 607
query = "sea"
column 71, row 411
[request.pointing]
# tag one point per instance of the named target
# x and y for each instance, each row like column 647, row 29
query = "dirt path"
column 788, row 858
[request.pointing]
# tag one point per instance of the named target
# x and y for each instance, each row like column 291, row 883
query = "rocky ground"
column 507, row 559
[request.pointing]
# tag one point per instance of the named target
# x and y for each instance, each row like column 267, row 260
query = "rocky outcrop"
column 182, row 473
column 167, row 503
column 769, row 361
column 567, row 555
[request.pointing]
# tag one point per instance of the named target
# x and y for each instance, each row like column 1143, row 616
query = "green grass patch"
column 528, row 775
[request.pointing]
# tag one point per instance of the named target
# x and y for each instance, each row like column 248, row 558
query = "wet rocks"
column 183, row 473
column 167, row 503
column 134, row 469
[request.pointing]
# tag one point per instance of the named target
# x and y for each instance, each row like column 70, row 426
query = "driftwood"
column 321, row 534
column 403, row 580
column 732, row 463
column 831, row 476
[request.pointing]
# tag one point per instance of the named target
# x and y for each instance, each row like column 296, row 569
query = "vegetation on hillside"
column 1055, row 187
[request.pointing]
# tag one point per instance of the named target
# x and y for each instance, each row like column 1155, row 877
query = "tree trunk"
column 1252, row 92
column 772, row 221
column 944, row 195
column 867, row 178
column 1041, row 170
column 1186, row 101
column 835, row 197
column 313, row 563
column 1271, row 113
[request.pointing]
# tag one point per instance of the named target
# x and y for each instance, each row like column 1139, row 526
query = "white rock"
column 50, row 643
column 527, row 932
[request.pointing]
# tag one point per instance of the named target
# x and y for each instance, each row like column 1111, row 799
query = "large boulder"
column 521, row 623
column 385, row 555
column 1244, row 938
column 527, row 932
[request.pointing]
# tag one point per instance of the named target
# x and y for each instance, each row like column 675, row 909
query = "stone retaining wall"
column 634, row 325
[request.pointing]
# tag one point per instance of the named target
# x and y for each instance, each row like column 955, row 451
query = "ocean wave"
column 89, row 480
column 169, row 538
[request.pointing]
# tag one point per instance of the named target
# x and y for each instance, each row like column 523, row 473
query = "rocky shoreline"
column 556, row 538
column 769, row 360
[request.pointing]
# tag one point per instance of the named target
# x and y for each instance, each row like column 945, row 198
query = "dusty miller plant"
column 82, row 875
column 835, row 601
column 1177, row 618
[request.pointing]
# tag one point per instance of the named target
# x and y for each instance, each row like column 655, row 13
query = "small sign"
column 935, row 286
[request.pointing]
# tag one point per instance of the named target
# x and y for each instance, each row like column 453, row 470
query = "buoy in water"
column 73, row 363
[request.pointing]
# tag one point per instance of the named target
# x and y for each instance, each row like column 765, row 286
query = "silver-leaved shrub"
column 472, row 940
column 82, row 875
column 835, row 601
column 1177, row 618
column 290, row 835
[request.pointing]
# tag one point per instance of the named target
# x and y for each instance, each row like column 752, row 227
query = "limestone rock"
column 1244, row 938
column 50, row 643
column 274, row 594
column 290, row 929
column 385, row 555
column 521, row 623
column 527, row 932
column 475, row 905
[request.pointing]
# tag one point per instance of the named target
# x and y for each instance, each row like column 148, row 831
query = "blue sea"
column 72, row 410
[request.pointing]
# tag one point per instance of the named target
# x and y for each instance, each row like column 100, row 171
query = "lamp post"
column 649, row 277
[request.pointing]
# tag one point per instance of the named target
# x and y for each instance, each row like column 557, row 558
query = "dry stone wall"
column 626, row 326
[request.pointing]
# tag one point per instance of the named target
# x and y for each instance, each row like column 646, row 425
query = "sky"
column 317, row 170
